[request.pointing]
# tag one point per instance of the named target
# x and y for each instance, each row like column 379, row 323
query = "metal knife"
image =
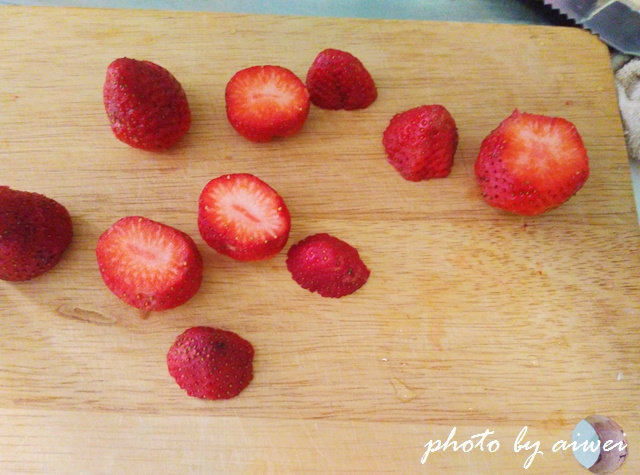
column 616, row 22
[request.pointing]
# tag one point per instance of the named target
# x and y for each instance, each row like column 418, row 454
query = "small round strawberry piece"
column 264, row 102
column 339, row 80
column 145, row 104
column 531, row 163
column 209, row 363
column 34, row 233
column 327, row 265
column 240, row 216
column 149, row 265
column 421, row 142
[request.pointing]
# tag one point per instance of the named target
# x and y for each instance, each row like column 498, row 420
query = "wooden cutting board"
column 472, row 318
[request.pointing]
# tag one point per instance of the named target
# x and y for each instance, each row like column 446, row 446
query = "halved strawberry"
column 325, row 264
column 531, row 163
column 239, row 215
column 149, row 265
column 339, row 80
column 210, row 363
column 264, row 102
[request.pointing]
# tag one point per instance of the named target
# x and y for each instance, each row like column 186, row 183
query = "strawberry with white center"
column 531, row 163
column 149, row 265
column 241, row 216
column 264, row 102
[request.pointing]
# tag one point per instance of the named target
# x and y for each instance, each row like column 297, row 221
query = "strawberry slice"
column 149, row 265
column 264, row 102
column 239, row 215
column 210, row 363
column 531, row 163
column 325, row 264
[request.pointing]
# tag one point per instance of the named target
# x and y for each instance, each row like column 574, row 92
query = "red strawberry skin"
column 327, row 265
column 263, row 102
column 210, row 363
column 421, row 142
column 34, row 233
column 241, row 216
column 339, row 80
column 531, row 163
column 146, row 106
column 149, row 265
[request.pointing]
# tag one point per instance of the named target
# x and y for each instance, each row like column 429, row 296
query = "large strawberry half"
column 531, row 163
column 264, row 102
column 339, row 80
column 149, row 265
column 145, row 104
column 34, row 232
column 239, row 215
column 210, row 363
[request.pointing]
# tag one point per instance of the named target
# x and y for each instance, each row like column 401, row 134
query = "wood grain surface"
column 472, row 318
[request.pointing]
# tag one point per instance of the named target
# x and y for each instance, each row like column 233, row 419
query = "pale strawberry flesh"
column 264, row 102
column 242, row 217
column 531, row 163
column 149, row 265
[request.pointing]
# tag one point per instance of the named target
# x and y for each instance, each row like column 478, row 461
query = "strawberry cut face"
column 264, row 102
column 149, row 265
column 241, row 216
column 543, row 152
column 531, row 163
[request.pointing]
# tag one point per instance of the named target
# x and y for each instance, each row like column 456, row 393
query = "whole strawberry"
column 34, row 232
column 149, row 265
column 339, row 80
column 421, row 142
column 239, row 215
column 264, row 102
column 325, row 264
column 531, row 163
column 145, row 104
column 210, row 363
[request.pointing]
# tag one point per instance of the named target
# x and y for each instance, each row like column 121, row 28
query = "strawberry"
column 325, row 264
column 149, row 265
column 264, row 102
column 210, row 363
column 531, row 163
column 338, row 80
column 239, row 215
column 34, row 232
column 146, row 105
column 420, row 143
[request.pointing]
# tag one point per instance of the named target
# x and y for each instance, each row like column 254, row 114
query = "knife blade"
column 616, row 22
